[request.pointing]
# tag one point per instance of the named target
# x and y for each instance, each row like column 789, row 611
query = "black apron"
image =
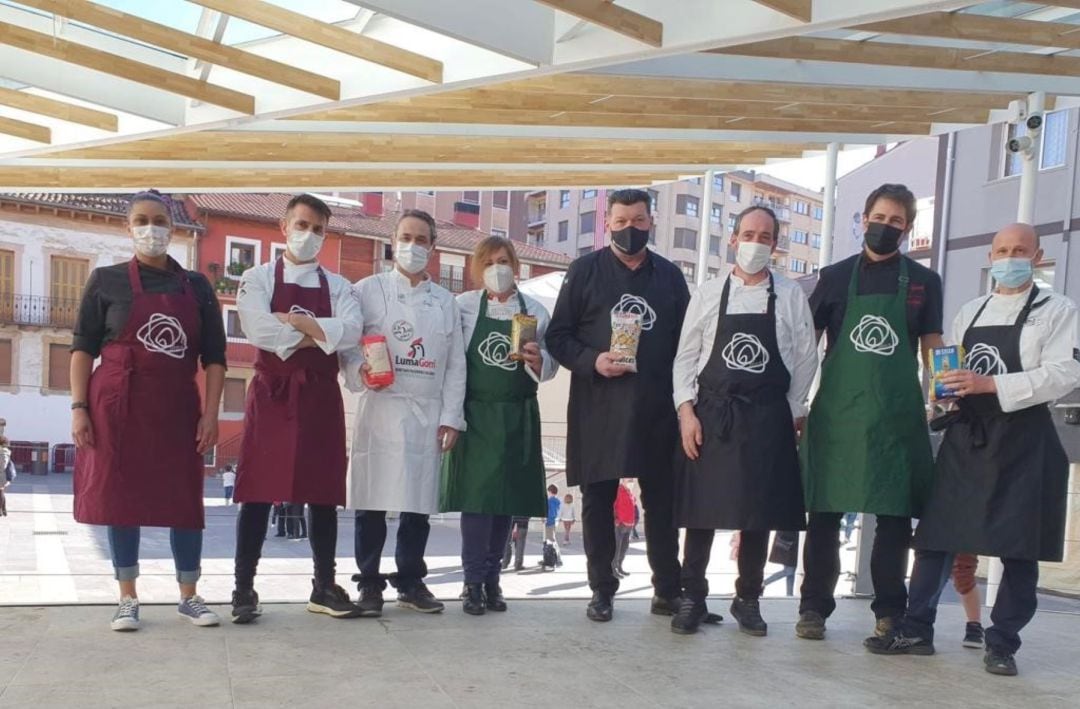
column 747, row 472
column 626, row 427
column 1001, row 478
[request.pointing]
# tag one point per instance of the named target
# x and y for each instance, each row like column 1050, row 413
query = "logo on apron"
column 163, row 334
column 402, row 331
column 986, row 360
column 494, row 351
column 874, row 335
column 301, row 310
column 636, row 305
column 416, row 349
column 745, row 353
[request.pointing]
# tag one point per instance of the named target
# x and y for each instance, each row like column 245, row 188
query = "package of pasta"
column 522, row 332
column 625, row 336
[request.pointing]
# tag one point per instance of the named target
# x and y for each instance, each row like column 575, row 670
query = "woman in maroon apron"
column 137, row 420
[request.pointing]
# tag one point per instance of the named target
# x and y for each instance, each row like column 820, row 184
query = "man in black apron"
column 746, row 360
column 620, row 423
column 866, row 447
column 1002, row 475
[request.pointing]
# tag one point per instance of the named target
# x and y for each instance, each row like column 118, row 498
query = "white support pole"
column 705, row 232
column 828, row 220
column 1025, row 213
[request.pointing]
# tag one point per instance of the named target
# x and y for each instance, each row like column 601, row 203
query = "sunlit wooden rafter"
column 25, row 130
column 796, row 9
column 981, row 28
column 60, row 110
column 610, row 16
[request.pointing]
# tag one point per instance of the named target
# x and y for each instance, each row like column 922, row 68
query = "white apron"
column 395, row 460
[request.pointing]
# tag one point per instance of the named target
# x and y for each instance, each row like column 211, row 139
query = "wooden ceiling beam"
column 61, row 110
column 612, row 17
column 28, row 131
column 796, row 9
column 333, row 37
column 651, row 87
column 981, row 28
column 906, row 55
column 82, row 55
column 191, row 45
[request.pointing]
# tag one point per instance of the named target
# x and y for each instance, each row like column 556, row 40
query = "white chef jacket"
column 262, row 329
column 794, row 334
column 1048, row 343
column 469, row 305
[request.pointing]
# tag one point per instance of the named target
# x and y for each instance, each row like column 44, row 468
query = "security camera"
column 1020, row 145
column 1035, row 122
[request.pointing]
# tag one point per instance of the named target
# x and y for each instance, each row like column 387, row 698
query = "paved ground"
column 541, row 653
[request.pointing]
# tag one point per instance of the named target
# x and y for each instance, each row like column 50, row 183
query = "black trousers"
column 483, row 540
column 622, row 544
column 251, row 525
column 412, row 538
column 888, row 564
column 1014, row 608
column 661, row 536
column 753, row 553
column 295, row 524
column 515, row 548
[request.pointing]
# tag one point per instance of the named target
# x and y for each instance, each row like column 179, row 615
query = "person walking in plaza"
column 625, row 509
column 402, row 430
column 228, row 483
column 515, row 545
column 785, row 551
column 1001, row 485
column 866, row 447
column 963, row 578
column 552, row 515
column 567, row 515
column 137, row 420
column 299, row 316
column 496, row 469
column 747, row 357
column 8, row 476
column 619, row 419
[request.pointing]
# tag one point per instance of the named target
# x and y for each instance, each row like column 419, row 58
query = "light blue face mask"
column 1011, row 272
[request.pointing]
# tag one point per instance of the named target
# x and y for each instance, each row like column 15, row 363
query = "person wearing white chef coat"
column 1001, row 477
column 401, row 431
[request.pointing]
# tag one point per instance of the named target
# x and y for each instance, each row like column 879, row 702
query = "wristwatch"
column 80, row 405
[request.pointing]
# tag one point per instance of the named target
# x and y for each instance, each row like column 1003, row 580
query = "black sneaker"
column 690, row 616
column 493, row 598
column 245, row 607
column 665, row 606
column 747, row 612
column 974, row 636
column 1000, row 663
column 896, row 643
column 472, row 599
column 420, row 599
column 811, row 626
column 883, row 627
column 600, row 607
column 332, row 601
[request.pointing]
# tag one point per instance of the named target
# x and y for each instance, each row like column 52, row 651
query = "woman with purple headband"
column 137, row 419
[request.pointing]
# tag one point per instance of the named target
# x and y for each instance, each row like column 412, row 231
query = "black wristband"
column 80, row 405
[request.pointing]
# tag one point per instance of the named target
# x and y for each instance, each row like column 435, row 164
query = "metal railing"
column 38, row 310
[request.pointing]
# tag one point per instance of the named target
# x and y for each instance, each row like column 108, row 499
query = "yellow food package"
column 522, row 332
column 625, row 337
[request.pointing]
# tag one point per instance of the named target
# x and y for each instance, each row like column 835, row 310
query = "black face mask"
column 882, row 238
column 630, row 240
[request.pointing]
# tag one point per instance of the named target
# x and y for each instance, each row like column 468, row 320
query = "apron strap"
column 135, row 278
column 324, row 287
column 902, row 280
column 770, row 309
column 1024, row 312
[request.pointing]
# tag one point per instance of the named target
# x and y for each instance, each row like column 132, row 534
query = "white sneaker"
column 195, row 610
column 127, row 615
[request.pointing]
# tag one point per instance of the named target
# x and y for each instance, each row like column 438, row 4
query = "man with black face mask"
column 866, row 446
column 620, row 422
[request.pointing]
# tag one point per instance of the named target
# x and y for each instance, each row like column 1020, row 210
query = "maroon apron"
column 294, row 424
column 144, row 469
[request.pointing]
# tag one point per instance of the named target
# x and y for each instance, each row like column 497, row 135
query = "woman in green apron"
column 496, row 470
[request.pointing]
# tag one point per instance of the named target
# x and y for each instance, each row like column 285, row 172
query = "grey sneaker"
column 126, row 618
column 420, row 599
column 194, row 609
column 811, row 626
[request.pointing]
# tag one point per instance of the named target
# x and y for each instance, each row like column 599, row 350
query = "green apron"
column 497, row 466
column 866, row 447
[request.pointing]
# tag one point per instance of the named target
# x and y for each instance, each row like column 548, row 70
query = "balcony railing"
column 537, row 217
column 782, row 213
column 38, row 310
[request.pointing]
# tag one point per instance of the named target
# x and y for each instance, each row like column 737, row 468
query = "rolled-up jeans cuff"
column 126, row 573
column 189, row 576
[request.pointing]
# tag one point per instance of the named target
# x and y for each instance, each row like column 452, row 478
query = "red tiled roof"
column 352, row 220
column 115, row 205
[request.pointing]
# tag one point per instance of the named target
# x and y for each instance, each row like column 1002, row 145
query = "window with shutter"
column 5, row 362
column 66, row 286
column 233, row 396
column 59, row 367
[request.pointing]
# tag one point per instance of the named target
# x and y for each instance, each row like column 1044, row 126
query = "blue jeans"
column 186, row 550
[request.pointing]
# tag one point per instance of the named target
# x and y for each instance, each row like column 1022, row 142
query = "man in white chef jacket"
column 1001, row 475
column 401, row 431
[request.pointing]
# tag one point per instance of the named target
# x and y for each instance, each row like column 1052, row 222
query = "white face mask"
column 498, row 278
column 150, row 240
column 412, row 258
column 304, row 245
column 752, row 256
